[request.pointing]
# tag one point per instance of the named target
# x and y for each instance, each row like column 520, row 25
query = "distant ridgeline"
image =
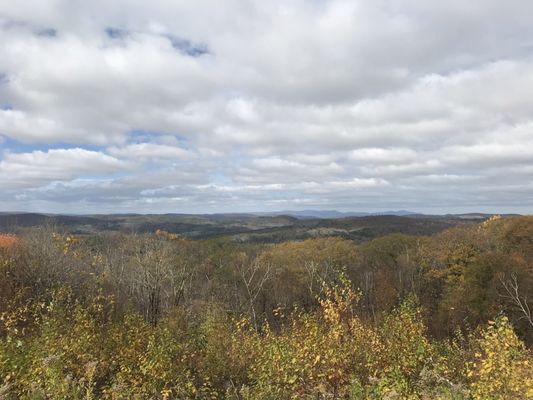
column 243, row 227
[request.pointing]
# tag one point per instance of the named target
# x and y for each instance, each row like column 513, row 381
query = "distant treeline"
column 241, row 227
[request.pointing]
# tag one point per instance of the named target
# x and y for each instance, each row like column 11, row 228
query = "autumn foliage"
column 161, row 317
column 7, row 241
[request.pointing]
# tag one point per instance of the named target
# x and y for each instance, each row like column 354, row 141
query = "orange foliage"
column 7, row 241
column 166, row 235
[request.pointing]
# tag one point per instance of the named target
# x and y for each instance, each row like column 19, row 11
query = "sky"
column 211, row 106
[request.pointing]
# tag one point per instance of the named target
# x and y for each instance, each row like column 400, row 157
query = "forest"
column 114, row 315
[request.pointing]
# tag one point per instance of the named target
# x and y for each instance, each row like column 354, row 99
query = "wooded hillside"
column 119, row 316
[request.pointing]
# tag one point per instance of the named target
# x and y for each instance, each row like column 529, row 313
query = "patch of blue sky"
column 116, row 33
column 218, row 178
column 239, row 154
column 137, row 136
column 187, row 47
column 141, row 136
column 46, row 32
column 16, row 146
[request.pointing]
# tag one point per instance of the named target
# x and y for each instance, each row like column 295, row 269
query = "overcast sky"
column 235, row 105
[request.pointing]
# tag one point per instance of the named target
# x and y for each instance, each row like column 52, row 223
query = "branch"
column 513, row 294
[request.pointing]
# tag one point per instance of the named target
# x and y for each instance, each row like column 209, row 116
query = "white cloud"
column 151, row 152
column 383, row 155
column 370, row 104
column 38, row 167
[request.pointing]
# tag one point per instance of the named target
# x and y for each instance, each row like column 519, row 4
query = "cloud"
column 151, row 151
column 38, row 167
column 250, row 105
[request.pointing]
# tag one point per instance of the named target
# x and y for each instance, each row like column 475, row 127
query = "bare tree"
column 513, row 295
column 150, row 275
column 317, row 275
column 253, row 275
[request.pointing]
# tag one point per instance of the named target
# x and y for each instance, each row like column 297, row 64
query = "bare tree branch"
column 513, row 294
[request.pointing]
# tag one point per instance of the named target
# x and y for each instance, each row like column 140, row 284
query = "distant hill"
column 185, row 224
column 479, row 216
column 304, row 214
column 264, row 228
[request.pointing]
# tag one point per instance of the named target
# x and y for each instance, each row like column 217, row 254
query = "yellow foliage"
column 502, row 368
column 68, row 349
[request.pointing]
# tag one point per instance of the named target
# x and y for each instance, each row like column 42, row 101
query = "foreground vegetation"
column 159, row 316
